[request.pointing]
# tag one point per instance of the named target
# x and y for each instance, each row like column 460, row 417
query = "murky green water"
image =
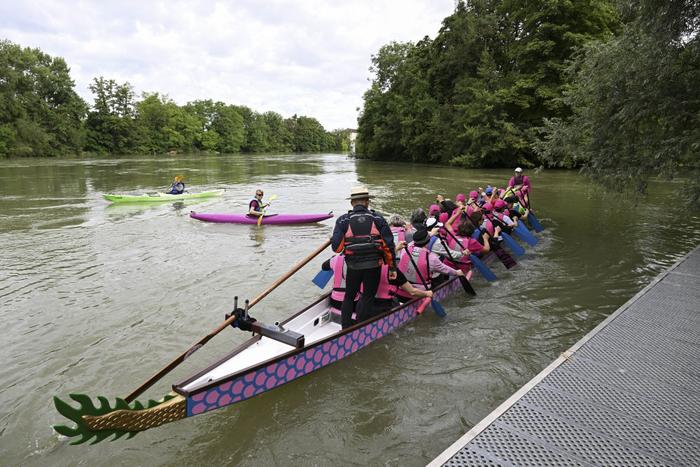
column 95, row 298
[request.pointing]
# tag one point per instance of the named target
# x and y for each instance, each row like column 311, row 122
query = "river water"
column 95, row 298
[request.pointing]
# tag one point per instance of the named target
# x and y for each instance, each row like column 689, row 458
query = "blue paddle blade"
column 513, row 245
column 483, row 269
column 535, row 222
column 322, row 278
column 439, row 310
column 523, row 234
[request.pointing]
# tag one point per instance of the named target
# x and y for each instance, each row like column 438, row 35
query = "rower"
column 178, row 186
column 256, row 206
column 428, row 263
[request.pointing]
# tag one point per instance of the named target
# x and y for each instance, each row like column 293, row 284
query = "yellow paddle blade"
column 260, row 218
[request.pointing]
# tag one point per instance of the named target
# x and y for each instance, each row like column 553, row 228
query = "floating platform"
column 628, row 393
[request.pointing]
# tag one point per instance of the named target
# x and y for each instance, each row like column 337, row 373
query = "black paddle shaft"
column 463, row 280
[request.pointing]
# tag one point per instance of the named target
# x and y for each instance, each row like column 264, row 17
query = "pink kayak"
column 275, row 219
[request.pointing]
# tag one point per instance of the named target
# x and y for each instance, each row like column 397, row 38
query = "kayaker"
column 367, row 242
column 178, row 186
column 256, row 206
column 521, row 185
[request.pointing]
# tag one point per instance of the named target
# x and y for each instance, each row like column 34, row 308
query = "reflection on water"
column 97, row 297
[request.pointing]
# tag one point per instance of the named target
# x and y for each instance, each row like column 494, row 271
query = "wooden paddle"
column 200, row 343
column 260, row 217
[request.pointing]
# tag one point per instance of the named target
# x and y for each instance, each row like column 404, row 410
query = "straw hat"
column 359, row 192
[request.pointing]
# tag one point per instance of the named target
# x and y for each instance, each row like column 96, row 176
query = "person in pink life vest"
column 387, row 293
column 399, row 228
column 521, row 184
column 499, row 207
column 472, row 202
column 465, row 234
column 429, row 264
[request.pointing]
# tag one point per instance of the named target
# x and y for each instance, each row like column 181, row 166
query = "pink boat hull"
column 272, row 219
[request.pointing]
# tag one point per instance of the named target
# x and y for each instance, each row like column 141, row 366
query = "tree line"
column 42, row 115
column 609, row 86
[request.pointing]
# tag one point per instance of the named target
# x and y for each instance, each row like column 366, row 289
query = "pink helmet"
column 488, row 207
column 460, row 197
column 499, row 204
column 434, row 209
column 474, row 194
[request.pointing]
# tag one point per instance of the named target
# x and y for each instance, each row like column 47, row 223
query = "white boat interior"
column 315, row 324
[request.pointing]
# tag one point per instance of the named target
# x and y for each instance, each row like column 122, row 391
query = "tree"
column 111, row 126
column 40, row 113
column 635, row 100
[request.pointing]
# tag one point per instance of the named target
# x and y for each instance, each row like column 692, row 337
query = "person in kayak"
column 256, row 206
column 178, row 186
column 366, row 240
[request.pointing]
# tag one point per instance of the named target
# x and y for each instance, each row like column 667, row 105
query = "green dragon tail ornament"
column 104, row 421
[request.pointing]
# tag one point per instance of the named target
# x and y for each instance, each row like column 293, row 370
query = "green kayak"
column 159, row 197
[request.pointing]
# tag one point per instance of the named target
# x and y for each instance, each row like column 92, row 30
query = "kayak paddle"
column 260, row 217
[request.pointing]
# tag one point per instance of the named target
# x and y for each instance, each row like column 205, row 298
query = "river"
column 95, row 298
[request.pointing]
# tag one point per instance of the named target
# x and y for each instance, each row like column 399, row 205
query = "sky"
column 304, row 57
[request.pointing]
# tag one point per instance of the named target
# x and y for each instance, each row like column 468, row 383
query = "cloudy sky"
column 309, row 57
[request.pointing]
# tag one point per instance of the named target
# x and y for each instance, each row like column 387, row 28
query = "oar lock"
column 245, row 322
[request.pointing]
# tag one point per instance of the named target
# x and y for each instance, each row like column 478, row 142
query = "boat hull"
column 273, row 219
column 158, row 197
column 300, row 362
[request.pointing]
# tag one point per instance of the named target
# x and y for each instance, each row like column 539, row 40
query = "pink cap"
column 443, row 217
column 473, row 194
column 460, row 197
column 499, row 204
column 488, row 207
column 434, row 208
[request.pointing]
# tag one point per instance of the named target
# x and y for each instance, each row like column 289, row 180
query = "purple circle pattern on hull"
column 280, row 372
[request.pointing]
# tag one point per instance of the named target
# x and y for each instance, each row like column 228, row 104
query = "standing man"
column 256, row 206
column 520, row 182
column 364, row 237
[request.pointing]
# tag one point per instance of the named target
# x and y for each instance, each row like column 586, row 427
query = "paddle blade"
column 513, row 245
column 322, row 278
column 468, row 289
column 483, row 269
column 523, row 234
column 534, row 222
column 504, row 257
column 438, row 309
column 260, row 218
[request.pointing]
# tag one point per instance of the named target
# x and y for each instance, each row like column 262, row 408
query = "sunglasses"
column 258, row 194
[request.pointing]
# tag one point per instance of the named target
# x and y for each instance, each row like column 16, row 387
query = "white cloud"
column 306, row 57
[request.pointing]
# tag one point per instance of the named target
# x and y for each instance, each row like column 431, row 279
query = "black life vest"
column 363, row 242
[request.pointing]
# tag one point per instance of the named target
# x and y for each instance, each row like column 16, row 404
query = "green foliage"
column 474, row 95
column 635, row 100
column 40, row 113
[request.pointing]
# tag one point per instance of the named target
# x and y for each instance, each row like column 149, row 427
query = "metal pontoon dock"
column 628, row 393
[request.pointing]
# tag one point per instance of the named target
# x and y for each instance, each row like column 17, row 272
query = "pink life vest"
column 385, row 291
column 422, row 264
column 399, row 234
column 339, row 272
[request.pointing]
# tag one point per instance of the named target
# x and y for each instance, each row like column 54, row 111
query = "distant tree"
column 40, row 112
column 111, row 126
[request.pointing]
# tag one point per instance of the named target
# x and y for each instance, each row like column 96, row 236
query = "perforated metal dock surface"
column 626, row 394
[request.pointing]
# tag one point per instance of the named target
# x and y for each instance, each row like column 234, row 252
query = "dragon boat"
column 276, row 354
